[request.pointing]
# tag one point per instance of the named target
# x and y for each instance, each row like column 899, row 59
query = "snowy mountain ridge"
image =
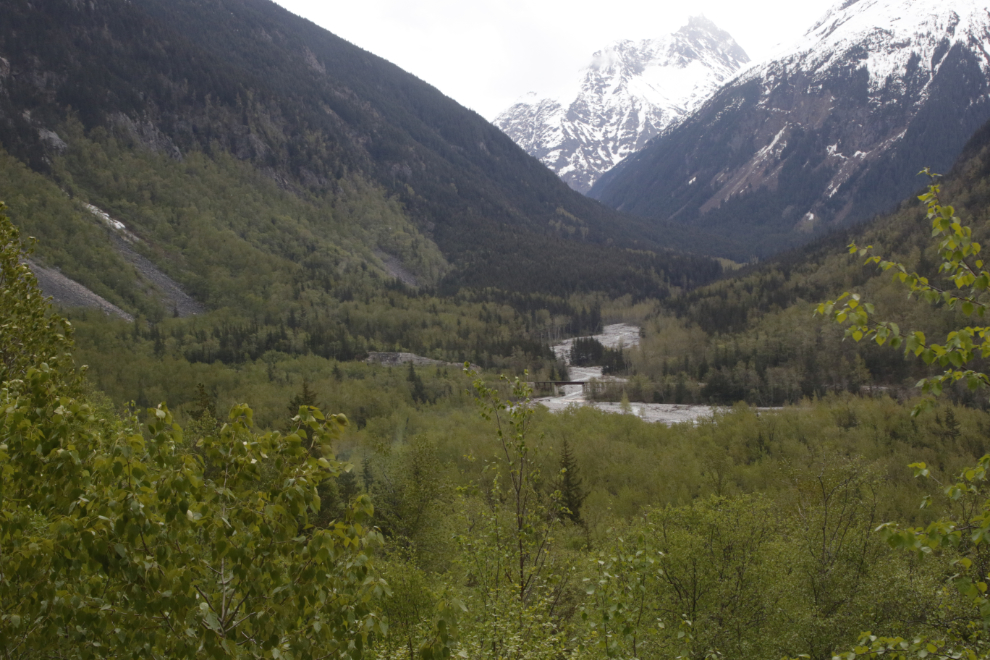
column 629, row 93
column 886, row 37
column 899, row 44
column 828, row 131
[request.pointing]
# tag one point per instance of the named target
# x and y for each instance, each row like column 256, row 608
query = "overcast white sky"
column 485, row 54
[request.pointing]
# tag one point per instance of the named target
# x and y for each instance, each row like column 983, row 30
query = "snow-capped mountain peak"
column 887, row 37
column 630, row 92
column 827, row 131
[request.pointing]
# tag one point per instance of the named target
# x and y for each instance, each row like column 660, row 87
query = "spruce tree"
column 347, row 487
column 366, row 475
column 204, row 404
column 571, row 494
column 306, row 398
column 418, row 389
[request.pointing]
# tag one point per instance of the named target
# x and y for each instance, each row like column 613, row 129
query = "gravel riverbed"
column 614, row 336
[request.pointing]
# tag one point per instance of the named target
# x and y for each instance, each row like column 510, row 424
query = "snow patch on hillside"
column 115, row 225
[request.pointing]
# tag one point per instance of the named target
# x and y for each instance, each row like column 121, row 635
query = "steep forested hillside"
column 753, row 337
column 319, row 119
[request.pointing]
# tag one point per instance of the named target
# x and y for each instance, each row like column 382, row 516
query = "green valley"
column 306, row 428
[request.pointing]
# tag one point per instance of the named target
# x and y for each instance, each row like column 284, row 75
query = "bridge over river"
column 559, row 395
column 554, row 387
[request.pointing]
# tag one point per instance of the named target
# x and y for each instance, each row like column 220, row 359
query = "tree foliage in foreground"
column 29, row 334
column 963, row 538
column 966, row 288
column 118, row 541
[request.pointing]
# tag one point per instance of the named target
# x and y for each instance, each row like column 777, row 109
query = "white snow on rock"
column 628, row 94
column 862, row 79
column 887, row 38
column 167, row 290
column 115, row 225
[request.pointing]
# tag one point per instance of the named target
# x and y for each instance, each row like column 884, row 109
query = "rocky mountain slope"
column 392, row 172
column 829, row 132
column 628, row 94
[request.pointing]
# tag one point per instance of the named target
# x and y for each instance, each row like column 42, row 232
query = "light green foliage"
column 412, row 494
column 254, row 358
column 620, row 594
column 899, row 648
column 507, row 553
column 534, row 513
column 751, row 576
column 442, row 632
column 796, row 569
column 68, row 237
column 714, row 572
column 30, row 334
column 123, row 547
column 965, row 287
column 123, row 542
column 840, row 574
column 406, row 608
column 958, row 628
column 227, row 230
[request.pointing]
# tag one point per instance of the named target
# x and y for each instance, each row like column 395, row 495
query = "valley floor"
column 667, row 413
column 614, row 336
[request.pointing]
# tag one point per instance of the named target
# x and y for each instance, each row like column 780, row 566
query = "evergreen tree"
column 680, row 390
column 305, row 398
column 571, row 494
column 204, row 403
column 418, row 389
column 347, row 487
column 366, row 476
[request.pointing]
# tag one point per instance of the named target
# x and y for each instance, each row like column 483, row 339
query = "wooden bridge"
column 551, row 387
